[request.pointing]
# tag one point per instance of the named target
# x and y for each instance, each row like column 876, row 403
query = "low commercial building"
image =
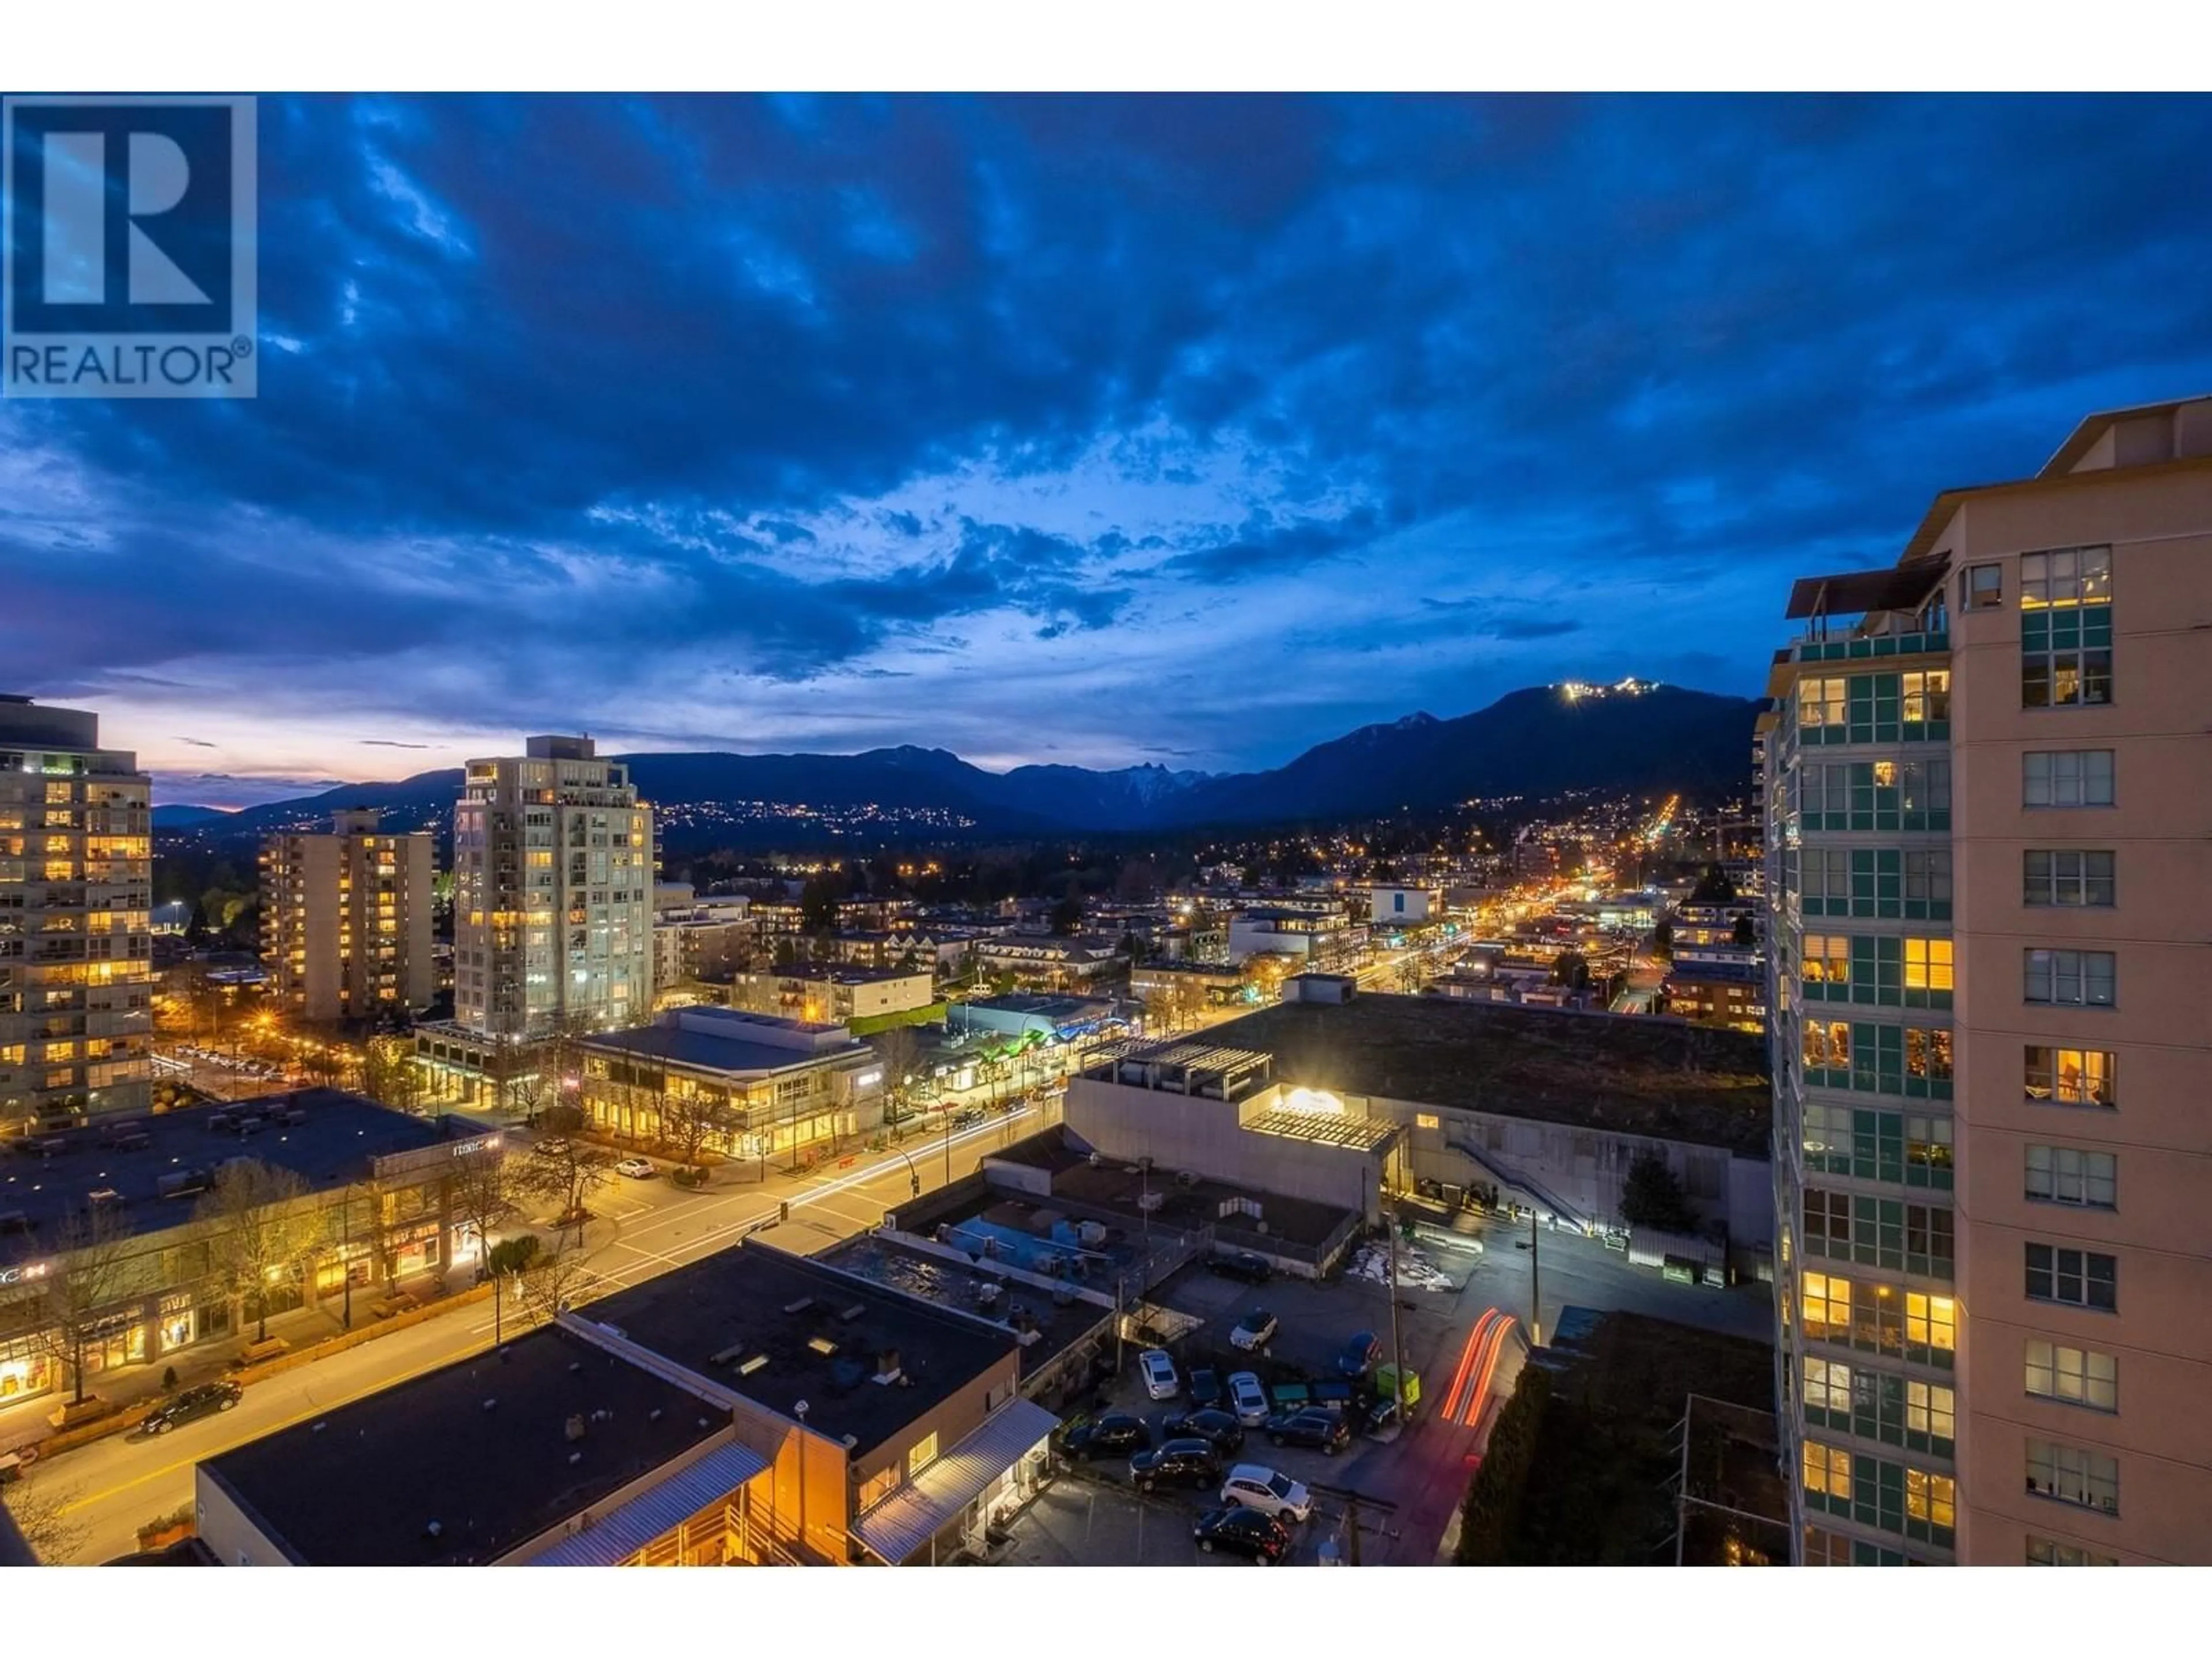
column 1054, row 961
column 1195, row 1108
column 836, row 994
column 752, row 1407
column 113, row 1254
column 1040, row 1018
column 1316, row 938
column 1211, row 984
column 1403, row 907
column 769, row 1087
column 1728, row 994
column 1548, row 1108
column 551, row 1450
column 894, row 1428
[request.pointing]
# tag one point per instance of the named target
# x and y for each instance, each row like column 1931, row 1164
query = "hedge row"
column 1493, row 1497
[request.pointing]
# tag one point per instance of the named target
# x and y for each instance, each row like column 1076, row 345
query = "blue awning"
column 615, row 1536
column 904, row 1522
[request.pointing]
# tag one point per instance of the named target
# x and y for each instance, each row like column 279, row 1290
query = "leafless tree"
column 484, row 1189
column 258, row 1231
column 688, row 1122
column 566, row 1168
column 554, row 1282
column 389, row 1074
column 92, row 1268
column 900, row 1051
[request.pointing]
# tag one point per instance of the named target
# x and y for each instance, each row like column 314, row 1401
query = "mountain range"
column 1537, row 742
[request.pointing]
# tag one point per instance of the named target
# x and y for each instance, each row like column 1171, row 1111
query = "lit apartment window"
column 1828, row 1387
column 1822, row 703
column 1931, row 1408
column 2070, row 577
column 2066, row 777
column 2073, row 1475
column 2066, row 1175
column 1827, row 1045
column 1931, row 1322
column 922, row 1453
column 1827, row 958
column 1927, row 696
column 2066, row 629
column 2082, row 1279
column 2080, row 1376
column 2072, row 978
column 1927, row 965
column 1827, row 1308
column 2051, row 1553
column 1930, row 1497
column 2064, row 876
column 1827, row 1471
column 1981, row 587
column 2073, row 1077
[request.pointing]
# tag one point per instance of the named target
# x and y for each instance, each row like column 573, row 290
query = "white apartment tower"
column 76, row 895
column 553, row 871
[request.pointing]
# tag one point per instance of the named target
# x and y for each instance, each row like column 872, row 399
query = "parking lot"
column 1400, row 1493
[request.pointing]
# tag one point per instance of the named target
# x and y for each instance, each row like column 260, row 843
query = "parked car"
column 1206, row 1386
column 637, row 1168
column 552, row 1146
column 1258, row 1487
column 1247, row 1400
column 1116, row 1434
column 192, row 1405
column 1242, row 1264
column 1219, row 1428
column 1177, row 1463
column 1238, row 1531
column 1324, row 1431
column 1360, row 1356
column 1158, row 1371
column 1255, row 1331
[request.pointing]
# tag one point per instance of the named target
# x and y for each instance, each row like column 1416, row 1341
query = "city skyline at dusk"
column 1199, row 430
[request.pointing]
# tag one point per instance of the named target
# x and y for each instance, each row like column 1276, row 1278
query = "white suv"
column 1255, row 1486
column 1159, row 1372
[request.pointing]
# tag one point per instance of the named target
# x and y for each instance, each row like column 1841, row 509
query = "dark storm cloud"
column 566, row 390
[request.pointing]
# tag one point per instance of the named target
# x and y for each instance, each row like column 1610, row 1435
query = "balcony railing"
column 1814, row 648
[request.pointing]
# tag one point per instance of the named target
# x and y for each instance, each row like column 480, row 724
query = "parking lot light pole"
column 1397, row 1349
column 1535, row 1285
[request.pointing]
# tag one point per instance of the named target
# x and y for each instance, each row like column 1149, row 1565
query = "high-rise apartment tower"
column 553, row 871
column 76, row 895
column 1989, row 812
column 345, row 920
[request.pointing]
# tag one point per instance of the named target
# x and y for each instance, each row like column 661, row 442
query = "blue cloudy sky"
column 1098, row 430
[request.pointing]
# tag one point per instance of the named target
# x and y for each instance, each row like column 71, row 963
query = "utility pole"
column 1397, row 1348
column 1535, row 1285
column 345, row 1257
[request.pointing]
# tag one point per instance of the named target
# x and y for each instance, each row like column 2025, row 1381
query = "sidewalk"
column 25, row 1420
